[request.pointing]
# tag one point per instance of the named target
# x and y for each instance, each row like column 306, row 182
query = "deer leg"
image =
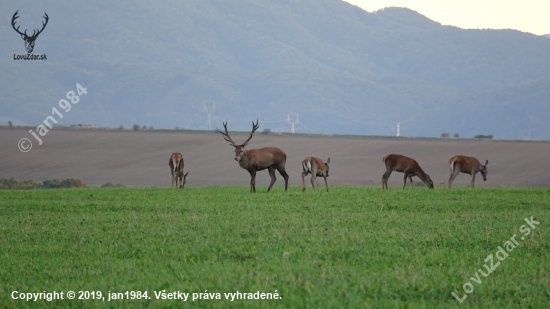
column 271, row 170
column 326, row 184
column 473, row 179
column 385, row 178
column 411, row 181
column 252, row 181
column 313, row 176
column 405, row 179
column 304, row 174
column 173, row 179
column 283, row 173
column 454, row 173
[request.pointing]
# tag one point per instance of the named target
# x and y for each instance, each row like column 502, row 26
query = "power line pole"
column 209, row 107
column 292, row 119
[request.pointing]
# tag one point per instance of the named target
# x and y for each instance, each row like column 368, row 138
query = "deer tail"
column 307, row 165
column 175, row 163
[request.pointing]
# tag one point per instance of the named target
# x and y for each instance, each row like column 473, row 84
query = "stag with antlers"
column 29, row 40
column 176, row 168
column 254, row 160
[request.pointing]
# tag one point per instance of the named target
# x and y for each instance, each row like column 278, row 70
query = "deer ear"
column 486, row 162
column 186, row 174
column 328, row 160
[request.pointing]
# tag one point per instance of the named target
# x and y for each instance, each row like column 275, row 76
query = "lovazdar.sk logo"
column 29, row 39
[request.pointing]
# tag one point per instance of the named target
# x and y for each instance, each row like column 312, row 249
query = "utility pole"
column 209, row 107
column 292, row 119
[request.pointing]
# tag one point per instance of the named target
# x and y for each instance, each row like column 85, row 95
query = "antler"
column 226, row 135
column 43, row 25
column 13, row 23
column 254, row 128
column 34, row 33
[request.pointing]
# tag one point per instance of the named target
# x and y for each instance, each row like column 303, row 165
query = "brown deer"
column 406, row 165
column 315, row 167
column 254, row 160
column 176, row 168
column 469, row 165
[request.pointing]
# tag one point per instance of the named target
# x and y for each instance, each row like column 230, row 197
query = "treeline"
column 13, row 183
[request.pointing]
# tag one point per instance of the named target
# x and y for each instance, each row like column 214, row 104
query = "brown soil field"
column 140, row 158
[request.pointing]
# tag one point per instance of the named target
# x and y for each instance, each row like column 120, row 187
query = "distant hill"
column 342, row 69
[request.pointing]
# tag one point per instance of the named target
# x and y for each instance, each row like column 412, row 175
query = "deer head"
column 183, row 180
column 430, row 182
column 29, row 40
column 239, row 149
column 484, row 171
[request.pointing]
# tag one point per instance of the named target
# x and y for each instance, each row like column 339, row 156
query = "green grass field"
column 353, row 247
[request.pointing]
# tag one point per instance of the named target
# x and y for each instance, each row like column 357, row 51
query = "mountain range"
column 341, row 69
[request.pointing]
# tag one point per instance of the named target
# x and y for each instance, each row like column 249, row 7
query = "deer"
column 406, row 165
column 176, row 168
column 254, row 160
column 317, row 168
column 468, row 165
column 29, row 40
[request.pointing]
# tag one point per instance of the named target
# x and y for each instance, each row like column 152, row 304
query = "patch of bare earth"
column 141, row 158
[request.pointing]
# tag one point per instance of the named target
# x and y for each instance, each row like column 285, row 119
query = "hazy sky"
column 525, row 15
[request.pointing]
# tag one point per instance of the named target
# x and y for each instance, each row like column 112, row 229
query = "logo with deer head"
column 29, row 40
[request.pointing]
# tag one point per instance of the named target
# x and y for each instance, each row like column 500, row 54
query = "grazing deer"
column 406, row 165
column 176, row 168
column 315, row 167
column 469, row 165
column 254, row 160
